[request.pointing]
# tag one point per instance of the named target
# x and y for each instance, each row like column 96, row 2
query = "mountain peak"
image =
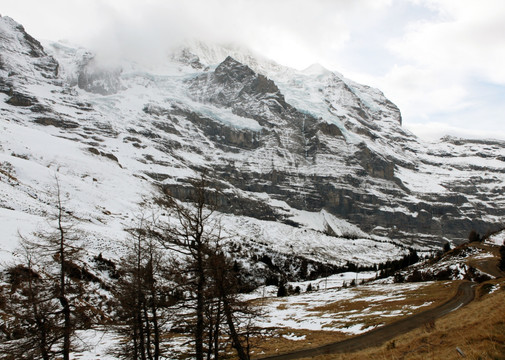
column 237, row 85
column 231, row 69
column 16, row 43
column 16, row 33
column 316, row 70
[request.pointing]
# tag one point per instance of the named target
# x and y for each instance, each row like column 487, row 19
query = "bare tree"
column 237, row 314
column 139, row 295
column 65, row 252
column 191, row 238
column 58, row 253
column 207, row 273
column 501, row 263
column 31, row 310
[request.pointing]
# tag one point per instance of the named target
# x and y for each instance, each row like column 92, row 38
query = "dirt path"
column 380, row 335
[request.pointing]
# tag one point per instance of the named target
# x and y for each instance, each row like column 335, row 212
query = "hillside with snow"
column 308, row 162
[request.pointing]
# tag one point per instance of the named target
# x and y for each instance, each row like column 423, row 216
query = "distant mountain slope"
column 305, row 159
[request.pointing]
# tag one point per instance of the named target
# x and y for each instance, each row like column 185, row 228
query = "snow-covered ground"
column 130, row 125
column 497, row 239
column 313, row 310
column 367, row 306
column 95, row 344
column 103, row 194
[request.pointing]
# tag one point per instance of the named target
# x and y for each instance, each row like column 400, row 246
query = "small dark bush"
column 474, row 236
column 399, row 278
column 282, row 291
column 76, row 272
column 501, row 264
column 19, row 274
column 107, row 265
column 485, row 289
column 445, row 274
column 272, row 280
column 266, row 260
column 480, row 278
column 416, row 276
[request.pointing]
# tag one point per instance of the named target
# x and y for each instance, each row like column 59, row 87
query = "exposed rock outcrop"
column 99, row 80
column 279, row 141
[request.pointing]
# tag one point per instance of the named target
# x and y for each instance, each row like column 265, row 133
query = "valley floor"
column 476, row 331
column 333, row 313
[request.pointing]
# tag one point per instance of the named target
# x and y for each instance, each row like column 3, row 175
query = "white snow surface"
column 497, row 239
column 103, row 194
column 301, row 311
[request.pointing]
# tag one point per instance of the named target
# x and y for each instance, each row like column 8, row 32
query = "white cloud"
column 293, row 32
column 421, row 92
column 467, row 37
column 434, row 58
column 450, row 68
column 432, row 131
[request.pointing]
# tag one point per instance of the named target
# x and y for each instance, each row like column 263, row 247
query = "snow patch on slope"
column 497, row 239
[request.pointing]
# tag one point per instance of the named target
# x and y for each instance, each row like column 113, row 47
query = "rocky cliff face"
column 278, row 142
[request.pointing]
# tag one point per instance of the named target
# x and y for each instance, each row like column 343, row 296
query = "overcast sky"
column 441, row 61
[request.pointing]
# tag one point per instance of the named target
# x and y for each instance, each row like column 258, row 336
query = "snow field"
column 319, row 310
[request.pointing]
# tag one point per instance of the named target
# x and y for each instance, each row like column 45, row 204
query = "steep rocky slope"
column 305, row 159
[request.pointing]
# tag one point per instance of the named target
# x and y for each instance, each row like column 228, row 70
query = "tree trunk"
column 154, row 308
column 66, row 327
column 135, row 340
column 210, row 332
column 43, row 339
column 200, row 306
column 140, row 326
column 233, row 331
column 62, row 296
column 39, row 320
column 148, row 331
column 216, row 331
column 139, row 303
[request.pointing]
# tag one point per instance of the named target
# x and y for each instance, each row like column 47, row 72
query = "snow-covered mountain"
column 308, row 162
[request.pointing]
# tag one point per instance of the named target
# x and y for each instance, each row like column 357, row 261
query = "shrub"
column 418, row 276
column 399, row 278
column 480, row 278
column 19, row 274
column 282, row 290
column 474, row 236
column 272, row 280
column 501, row 264
column 445, row 274
column 415, row 276
column 485, row 289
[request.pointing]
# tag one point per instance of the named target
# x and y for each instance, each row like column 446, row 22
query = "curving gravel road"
column 379, row 336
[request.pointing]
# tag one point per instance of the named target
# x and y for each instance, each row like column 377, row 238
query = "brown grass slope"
column 477, row 331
